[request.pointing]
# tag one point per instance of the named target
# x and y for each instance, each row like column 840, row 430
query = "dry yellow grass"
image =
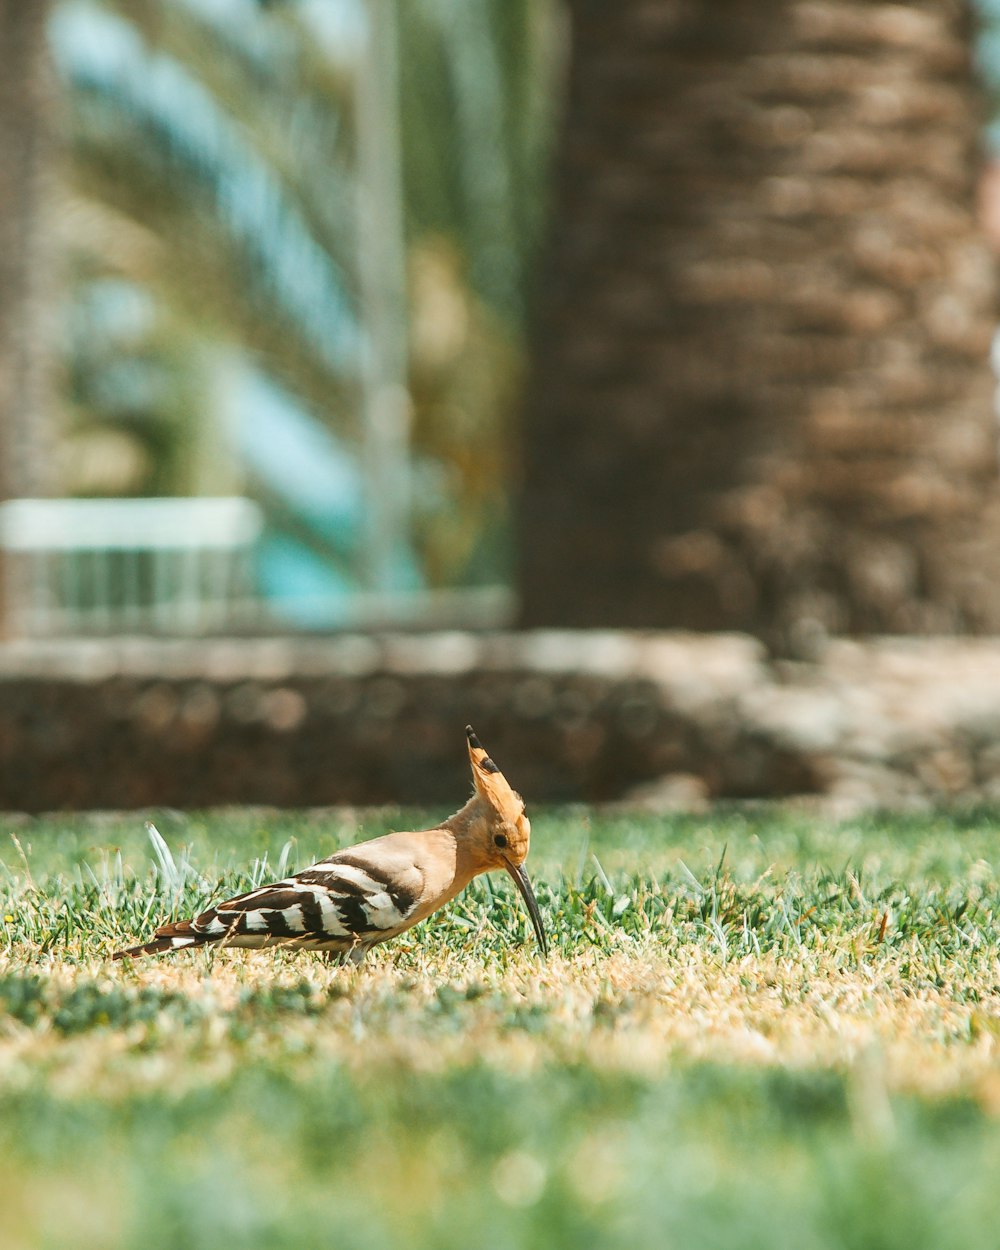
column 632, row 1010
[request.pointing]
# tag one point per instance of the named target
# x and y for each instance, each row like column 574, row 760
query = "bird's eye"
column 500, row 840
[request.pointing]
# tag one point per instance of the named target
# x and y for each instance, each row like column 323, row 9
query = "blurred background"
column 283, row 252
column 296, row 252
column 353, row 315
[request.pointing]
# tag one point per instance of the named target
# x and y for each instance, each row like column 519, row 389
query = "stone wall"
column 656, row 719
column 761, row 397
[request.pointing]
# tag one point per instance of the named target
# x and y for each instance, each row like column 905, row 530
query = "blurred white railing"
column 102, row 566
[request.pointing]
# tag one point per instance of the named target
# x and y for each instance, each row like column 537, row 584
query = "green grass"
column 761, row 1027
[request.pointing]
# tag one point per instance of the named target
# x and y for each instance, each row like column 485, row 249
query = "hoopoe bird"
column 371, row 892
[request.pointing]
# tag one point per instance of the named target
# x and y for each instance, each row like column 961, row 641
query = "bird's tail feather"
column 168, row 937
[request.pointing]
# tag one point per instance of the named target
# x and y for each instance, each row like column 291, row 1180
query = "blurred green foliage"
column 209, row 215
column 697, row 1156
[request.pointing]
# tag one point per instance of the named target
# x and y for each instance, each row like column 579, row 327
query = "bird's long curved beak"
column 528, row 894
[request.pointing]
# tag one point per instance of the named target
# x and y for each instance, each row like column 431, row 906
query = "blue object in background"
column 310, row 569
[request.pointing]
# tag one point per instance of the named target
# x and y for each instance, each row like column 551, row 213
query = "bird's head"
column 503, row 834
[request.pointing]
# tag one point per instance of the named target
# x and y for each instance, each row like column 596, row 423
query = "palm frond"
column 118, row 79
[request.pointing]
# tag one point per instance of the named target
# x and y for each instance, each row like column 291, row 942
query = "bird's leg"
column 351, row 958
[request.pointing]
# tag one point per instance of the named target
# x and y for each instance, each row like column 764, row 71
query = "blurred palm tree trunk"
column 25, row 450
column 25, row 453
column 761, row 396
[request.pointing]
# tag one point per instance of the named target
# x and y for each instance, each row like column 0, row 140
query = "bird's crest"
column 490, row 782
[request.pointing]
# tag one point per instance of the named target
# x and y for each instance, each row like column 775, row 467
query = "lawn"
column 759, row 1027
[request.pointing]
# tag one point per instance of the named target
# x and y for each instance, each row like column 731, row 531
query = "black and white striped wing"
column 336, row 905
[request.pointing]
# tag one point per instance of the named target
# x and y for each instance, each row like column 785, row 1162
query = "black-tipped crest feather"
column 485, row 763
